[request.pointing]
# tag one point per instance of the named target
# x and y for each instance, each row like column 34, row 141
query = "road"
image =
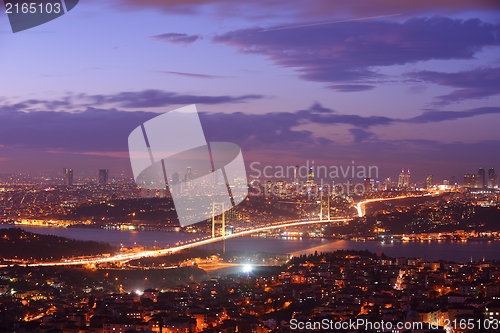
column 161, row 252
column 124, row 257
column 360, row 205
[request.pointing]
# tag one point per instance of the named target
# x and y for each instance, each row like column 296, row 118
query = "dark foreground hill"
column 20, row 244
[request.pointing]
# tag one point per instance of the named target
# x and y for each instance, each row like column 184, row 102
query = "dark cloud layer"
column 157, row 98
column 350, row 87
column 434, row 116
column 176, row 38
column 129, row 99
column 314, row 8
column 102, row 133
column 478, row 83
column 91, row 130
column 349, row 52
column 100, row 129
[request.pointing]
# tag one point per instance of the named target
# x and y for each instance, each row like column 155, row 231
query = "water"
column 436, row 250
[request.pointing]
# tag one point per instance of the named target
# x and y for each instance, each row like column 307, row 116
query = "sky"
column 387, row 83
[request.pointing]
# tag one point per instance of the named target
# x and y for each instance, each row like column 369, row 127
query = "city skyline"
column 414, row 85
column 471, row 180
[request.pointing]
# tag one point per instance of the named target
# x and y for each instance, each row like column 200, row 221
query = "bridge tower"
column 222, row 222
column 321, row 207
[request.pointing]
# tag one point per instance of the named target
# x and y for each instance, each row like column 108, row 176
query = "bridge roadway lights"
column 205, row 241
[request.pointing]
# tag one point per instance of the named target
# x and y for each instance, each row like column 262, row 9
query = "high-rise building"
column 469, row 180
column 404, row 179
column 310, row 176
column 103, row 176
column 429, row 181
column 401, row 179
column 453, row 180
column 296, row 175
column 492, row 178
column 368, row 185
column 388, row 184
column 407, row 179
column 481, row 178
column 68, row 177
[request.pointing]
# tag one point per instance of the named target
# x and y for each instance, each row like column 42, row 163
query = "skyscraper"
column 481, row 178
column 388, row 184
column 401, row 179
column 310, row 176
column 492, row 178
column 103, row 176
column 407, row 179
column 296, row 175
column 368, row 185
column 429, row 181
column 68, row 177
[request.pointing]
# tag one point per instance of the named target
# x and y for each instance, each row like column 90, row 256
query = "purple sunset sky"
column 413, row 84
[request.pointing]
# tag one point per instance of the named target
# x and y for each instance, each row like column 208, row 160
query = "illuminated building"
column 404, row 179
column 492, row 178
column 388, row 184
column 310, row 176
column 68, row 177
column 103, row 176
column 429, row 182
column 296, row 175
column 401, row 179
column 469, row 180
column 368, row 185
column 269, row 187
column 407, row 179
column 481, row 178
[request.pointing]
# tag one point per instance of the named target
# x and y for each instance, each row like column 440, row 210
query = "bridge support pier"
column 223, row 222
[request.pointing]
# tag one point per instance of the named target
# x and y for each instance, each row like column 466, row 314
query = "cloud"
column 176, row 38
column 157, row 98
column 106, row 130
column 319, row 9
column 349, row 53
column 473, row 84
column 95, row 135
column 350, row 87
column 434, row 116
column 90, row 130
column 360, row 135
column 94, row 131
column 129, row 99
column 194, row 75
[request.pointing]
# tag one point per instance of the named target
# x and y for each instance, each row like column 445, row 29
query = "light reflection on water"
column 434, row 250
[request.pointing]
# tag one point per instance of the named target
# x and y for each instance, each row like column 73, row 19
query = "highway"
column 124, row 257
column 161, row 252
column 361, row 210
